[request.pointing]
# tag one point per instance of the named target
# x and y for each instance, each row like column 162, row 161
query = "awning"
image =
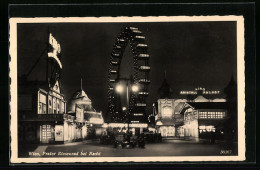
column 173, row 122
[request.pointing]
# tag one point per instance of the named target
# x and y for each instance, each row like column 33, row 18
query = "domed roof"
column 79, row 98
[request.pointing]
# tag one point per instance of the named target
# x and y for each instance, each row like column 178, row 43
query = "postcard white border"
column 240, row 81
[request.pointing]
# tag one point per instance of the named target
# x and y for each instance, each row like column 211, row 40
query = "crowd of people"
column 124, row 139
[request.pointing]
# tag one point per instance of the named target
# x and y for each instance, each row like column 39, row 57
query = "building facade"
column 92, row 120
column 40, row 112
column 193, row 115
column 42, row 107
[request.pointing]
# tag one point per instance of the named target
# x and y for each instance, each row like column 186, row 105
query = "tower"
column 165, row 91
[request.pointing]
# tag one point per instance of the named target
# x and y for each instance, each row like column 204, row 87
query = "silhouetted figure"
column 212, row 137
column 141, row 141
column 112, row 137
column 125, row 136
column 128, row 135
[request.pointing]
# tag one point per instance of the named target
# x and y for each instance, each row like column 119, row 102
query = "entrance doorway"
column 167, row 131
column 47, row 134
column 171, row 131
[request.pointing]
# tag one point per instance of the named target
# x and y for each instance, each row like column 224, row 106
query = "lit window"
column 203, row 115
column 211, row 115
column 62, row 107
column 54, row 106
column 167, row 112
column 42, row 103
column 58, row 106
column 220, row 115
column 50, row 105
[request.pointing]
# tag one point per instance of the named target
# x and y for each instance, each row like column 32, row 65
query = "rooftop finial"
column 164, row 74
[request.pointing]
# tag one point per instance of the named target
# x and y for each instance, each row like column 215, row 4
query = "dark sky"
column 193, row 54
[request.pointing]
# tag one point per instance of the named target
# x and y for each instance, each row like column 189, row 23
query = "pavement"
column 92, row 148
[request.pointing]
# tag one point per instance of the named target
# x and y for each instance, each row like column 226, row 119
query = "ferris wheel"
column 140, row 77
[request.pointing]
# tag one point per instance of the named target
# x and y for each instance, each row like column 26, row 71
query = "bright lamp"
column 119, row 88
column 135, row 88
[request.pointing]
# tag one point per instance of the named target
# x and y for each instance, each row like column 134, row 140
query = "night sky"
column 193, row 54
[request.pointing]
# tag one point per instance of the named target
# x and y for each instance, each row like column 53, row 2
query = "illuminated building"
column 194, row 114
column 166, row 110
column 42, row 111
column 92, row 121
column 41, row 104
column 201, row 118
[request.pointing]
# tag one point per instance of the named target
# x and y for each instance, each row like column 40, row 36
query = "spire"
column 231, row 85
column 231, row 89
column 81, row 83
column 165, row 91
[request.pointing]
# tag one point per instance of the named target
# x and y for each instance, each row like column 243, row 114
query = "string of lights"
column 137, row 104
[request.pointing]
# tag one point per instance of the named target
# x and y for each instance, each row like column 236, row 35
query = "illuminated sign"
column 209, row 128
column 132, row 125
column 56, row 50
column 138, row 125
column 204, row 91
column 59, row 133
column 94, row 120
column 51, row 116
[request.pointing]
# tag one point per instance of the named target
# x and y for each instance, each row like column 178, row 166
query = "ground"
column 165, row 148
